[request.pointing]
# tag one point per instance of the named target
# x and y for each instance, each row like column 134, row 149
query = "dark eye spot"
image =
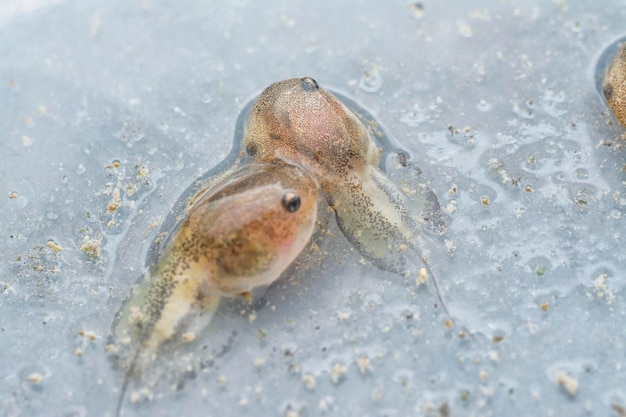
column 291, row 201
column 251, row 149
column 402, row 159
column 309, row 84
column 608, row 91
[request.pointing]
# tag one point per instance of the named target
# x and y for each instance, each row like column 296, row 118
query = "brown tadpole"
column 614, row 85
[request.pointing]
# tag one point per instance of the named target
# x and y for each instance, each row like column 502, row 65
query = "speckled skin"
column 615, row 85
column 241, row 234
column 298, row 122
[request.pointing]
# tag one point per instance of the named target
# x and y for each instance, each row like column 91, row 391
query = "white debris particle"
column 364, row 365
column 188, row 337
column 116, row 200
column 450, row 246
column 54, row 246
column 568, row 382
column 154, row 224
column 111, row 348
column 465, row 30
column 326, row 403
column 35, row 378
column 377, row 394
column 136, row 316
column 417, row 9
column 487, row 391
column 92, row 247
column 535, row 393
column 130, row 189
column 252, row 317
column 142, row 171
column 179, row 111
column 286, row 20
column 602, row 289
column 343, row 315
column 292, row 413
column 337, row 372
column 531, row 327
column 309, row 381
column 422, row 278
column 600, row 282
column 494, row 164
column 259, row 362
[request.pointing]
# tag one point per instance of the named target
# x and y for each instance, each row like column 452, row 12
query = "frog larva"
column 240, row 234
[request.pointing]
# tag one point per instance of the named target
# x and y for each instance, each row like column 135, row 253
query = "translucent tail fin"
column 162, row 309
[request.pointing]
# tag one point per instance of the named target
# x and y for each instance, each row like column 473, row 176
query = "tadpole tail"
column 434, row 279
column 431, row 276
column 127, row 377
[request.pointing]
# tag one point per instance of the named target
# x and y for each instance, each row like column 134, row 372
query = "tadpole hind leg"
column 386, row 229
column 373, row 215
column 421, row 200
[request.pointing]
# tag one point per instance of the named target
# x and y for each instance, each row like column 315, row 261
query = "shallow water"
column 496, row 103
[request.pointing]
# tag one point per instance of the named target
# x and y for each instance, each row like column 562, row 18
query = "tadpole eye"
column 291, row 201
column 309, row 84
column 608, row 90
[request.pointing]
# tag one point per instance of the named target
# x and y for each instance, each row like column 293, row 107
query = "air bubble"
column 414, row 118
column 130, row 132
column 582, row 173
column 371, row 81
column 484, row 106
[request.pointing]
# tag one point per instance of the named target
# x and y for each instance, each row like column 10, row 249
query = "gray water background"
column 497, row 102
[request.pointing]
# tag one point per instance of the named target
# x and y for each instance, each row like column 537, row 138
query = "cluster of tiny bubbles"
column 130, row 132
